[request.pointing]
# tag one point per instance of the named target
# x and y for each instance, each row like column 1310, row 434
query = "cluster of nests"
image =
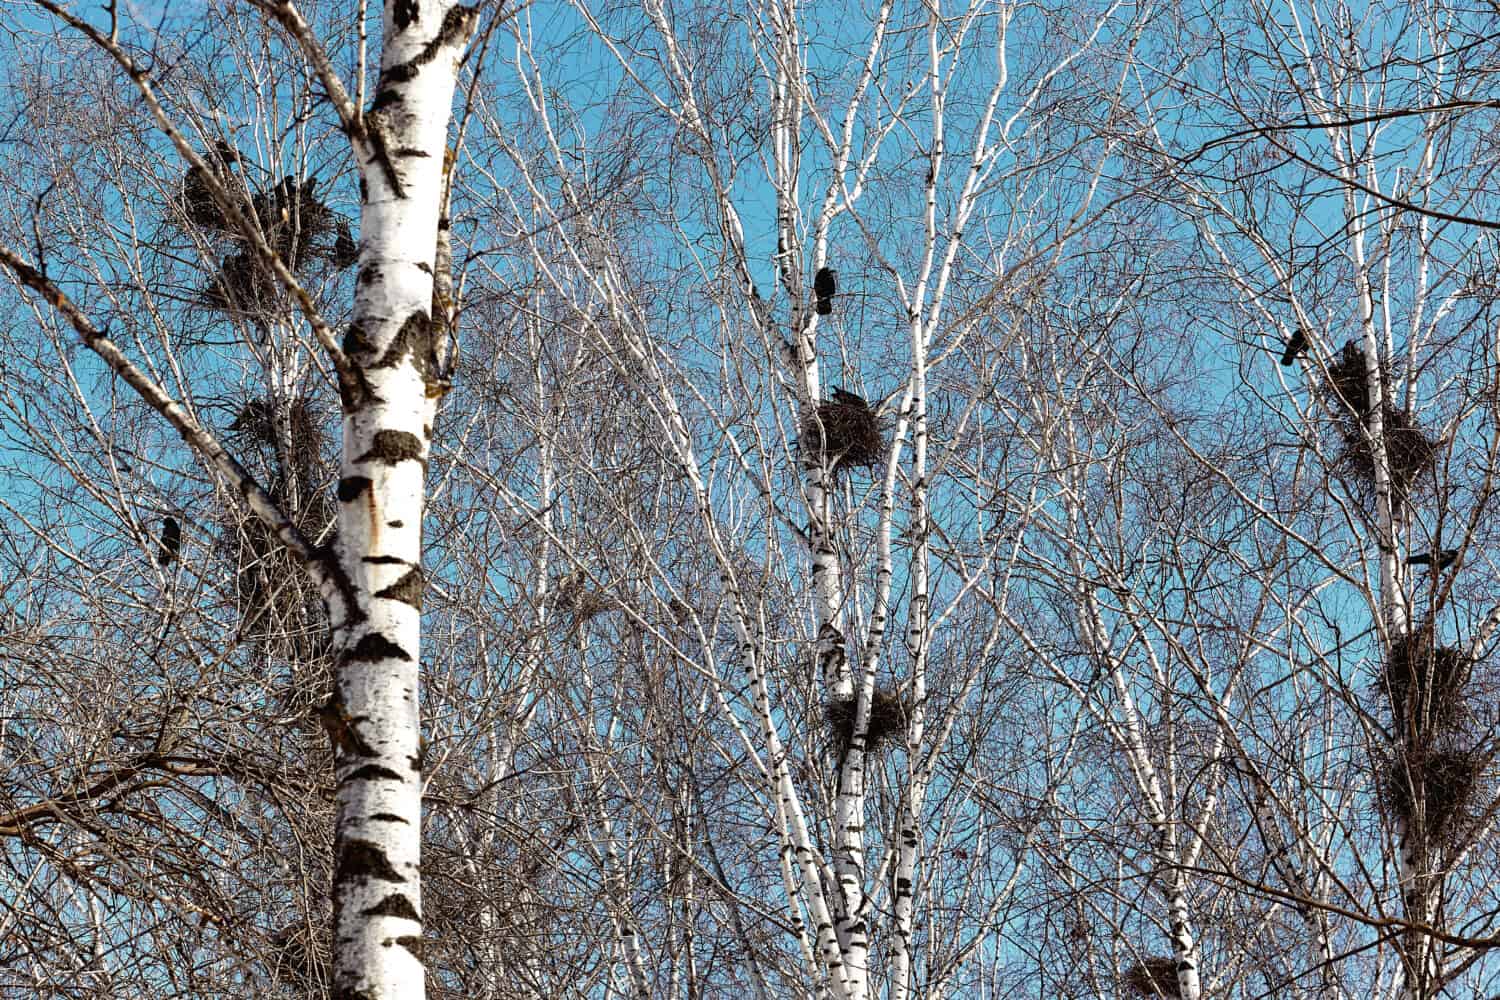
column 1434, row 774
column 1409, row 451
column 845, row 432
column 299, row 228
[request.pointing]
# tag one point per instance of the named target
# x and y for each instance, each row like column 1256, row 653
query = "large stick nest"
column 280, row 608
column 1348, row 384
column 242, row 285
column 890, row 713
column 299, row 228
column 1409, row 452
column 300, row 959
column 1153, row 977
column 1434, row 791
column 1425, row 685
column 580, row 599
column 846, row 432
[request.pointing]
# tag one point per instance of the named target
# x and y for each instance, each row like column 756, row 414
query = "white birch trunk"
column 390, row 390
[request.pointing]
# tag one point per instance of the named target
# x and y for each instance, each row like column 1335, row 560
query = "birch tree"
column 903, row 167
column 1342, row 204
column 390, row 368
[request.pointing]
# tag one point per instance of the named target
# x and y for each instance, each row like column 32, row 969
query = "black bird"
column 171, row 540
column 345, row 250
column 1294, row 347
column 227, row 154
column 844, row 398
column 1445, row 558
column 825, row 284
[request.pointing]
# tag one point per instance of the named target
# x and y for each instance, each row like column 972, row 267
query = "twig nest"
column 890, row 713
column 299, row 958
column 1153, row 977
column 582, row 601
column 1434, row 790
column 1348, row 385
column 845, row 432
column 257, row 419
column 243, row 285
column 1409, row 452
column 1425, row 685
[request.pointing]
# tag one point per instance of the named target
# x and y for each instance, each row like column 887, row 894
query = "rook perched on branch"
column 825, row 285
column 1444, row 558
column 171, row 540
column 1294, row 348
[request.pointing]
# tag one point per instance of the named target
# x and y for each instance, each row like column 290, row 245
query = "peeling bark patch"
column 407, row 590
column 364, row 859
column 373, row 648
column 351, row 487
column 371, row 772
column 390, row 818
column 405, row 14
column 392, row 447
column 394, row 905
column 411, row 943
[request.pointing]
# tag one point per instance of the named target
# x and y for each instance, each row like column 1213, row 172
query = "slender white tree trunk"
column 390, row 392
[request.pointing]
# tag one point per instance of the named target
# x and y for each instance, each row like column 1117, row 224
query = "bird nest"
column 890, row 713
column 1425, row 684
column 1434, row 790
column 1153, row 977
column 1348, row 384
column 242, row 285
column 280, row 607
column 580, row 600
column 300, row 228
column 1409, row 452
column 257, row 422
column 299, row 958
column 846, row 433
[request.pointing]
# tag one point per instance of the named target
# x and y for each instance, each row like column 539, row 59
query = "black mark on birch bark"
column 394, row 905
column 405, row 13
column 414, row 339
column 407, row 590
column 364, row 859
column 352, row 487
column 373, row 648
column 372, row 772
column 392, row 447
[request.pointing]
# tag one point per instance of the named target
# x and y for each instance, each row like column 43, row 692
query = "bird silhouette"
column 171, row 540
column 825, row 285
column 227, row 154
column 345, row 249
column 845, row 398
column 1294, row 347
column 1445, row 558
